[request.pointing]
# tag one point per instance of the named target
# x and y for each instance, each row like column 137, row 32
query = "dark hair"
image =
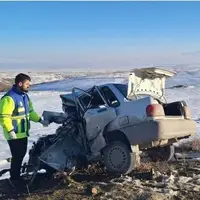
column 21, row 77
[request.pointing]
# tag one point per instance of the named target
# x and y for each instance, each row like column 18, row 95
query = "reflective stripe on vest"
column 20, row 123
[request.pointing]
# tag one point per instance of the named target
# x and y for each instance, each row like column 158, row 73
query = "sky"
column 98, row 34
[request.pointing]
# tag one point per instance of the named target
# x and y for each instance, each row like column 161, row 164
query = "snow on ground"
column 42, row 101
column 45, row 77
column 36, row 77
column 81, row 82
column 46, row 96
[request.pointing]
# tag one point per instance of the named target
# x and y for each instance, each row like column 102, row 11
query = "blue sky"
column 98, row 34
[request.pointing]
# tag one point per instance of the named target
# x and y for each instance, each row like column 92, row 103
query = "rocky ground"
column 178, row 179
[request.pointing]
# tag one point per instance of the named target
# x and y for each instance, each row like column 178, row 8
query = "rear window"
column 123, row 88
column 110, row 97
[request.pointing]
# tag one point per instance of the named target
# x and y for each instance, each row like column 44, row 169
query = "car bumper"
column 163, row 129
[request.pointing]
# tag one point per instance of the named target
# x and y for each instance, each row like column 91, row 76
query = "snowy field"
column 44, row 77
column 45, row 96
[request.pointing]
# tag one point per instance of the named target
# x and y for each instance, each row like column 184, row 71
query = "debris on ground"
column 173, row 180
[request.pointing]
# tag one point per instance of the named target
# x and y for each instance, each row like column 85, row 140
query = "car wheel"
column 165, row 153
column 118, row 158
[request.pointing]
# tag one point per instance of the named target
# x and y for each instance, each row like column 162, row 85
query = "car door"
column 96, row 118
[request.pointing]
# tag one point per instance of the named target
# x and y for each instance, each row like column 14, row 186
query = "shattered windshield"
column 93, row 101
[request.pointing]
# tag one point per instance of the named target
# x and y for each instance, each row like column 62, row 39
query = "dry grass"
column 94, row 184
column 4, row 87
column 6, row 84
column 144, row 167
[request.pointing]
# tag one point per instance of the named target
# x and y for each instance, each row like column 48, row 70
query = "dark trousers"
column 18, row 148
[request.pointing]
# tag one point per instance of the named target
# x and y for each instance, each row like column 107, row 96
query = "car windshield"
column 123, row 88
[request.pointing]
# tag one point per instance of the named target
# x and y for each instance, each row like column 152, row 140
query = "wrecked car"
column 112, row 123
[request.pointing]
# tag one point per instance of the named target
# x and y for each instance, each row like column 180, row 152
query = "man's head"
column 22, row 81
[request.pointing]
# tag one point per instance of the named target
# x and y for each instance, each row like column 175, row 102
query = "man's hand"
column 12, row 135
column 44, row 122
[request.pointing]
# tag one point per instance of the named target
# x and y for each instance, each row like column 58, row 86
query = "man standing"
column 16, row 112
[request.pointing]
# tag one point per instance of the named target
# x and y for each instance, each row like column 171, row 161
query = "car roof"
column 71, row 97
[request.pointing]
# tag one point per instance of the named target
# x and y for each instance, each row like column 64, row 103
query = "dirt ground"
column 178, row 179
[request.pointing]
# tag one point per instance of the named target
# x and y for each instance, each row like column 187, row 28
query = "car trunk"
column 151, row 82
column 148, row 81
column 176, row 109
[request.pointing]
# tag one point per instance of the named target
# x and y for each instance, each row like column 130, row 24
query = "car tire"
column 118, row 158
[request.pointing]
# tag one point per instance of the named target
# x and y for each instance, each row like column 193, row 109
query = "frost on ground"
column 175, row 180
column 157, row 181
